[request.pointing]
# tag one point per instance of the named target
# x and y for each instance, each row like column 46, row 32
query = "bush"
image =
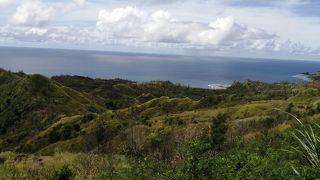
column 218, row 128
column 88, row 117
column 209, row 101
column 65, row 173
column 198, row 163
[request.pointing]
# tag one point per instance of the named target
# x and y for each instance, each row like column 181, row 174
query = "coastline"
column 303, row 77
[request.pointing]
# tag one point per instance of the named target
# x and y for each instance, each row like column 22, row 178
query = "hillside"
column 29, row 104
column 117, row 129
column 117, row 93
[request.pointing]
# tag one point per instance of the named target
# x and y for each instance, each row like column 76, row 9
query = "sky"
column 250, row 28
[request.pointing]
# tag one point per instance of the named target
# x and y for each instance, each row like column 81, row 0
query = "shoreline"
column 303, row 77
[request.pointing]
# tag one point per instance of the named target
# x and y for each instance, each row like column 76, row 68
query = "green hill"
column 117, row 93
column 30, row 103
column 88, row 128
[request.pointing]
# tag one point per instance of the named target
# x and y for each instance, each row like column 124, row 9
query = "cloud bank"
column 34, row 21
column 223, row 33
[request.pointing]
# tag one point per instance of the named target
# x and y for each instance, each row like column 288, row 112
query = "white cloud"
column 37, row 31
column 129, row 14
column 219, row 30
column 161, row 15
column 79, row 2
column 279, row 3
column 161, row 27
column 4, row 3
column 32, row 13
column 59, row 35
column 191, row 27
column 124, row 22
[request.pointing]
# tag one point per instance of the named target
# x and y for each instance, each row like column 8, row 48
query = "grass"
column 74, row 125
column 307, row 143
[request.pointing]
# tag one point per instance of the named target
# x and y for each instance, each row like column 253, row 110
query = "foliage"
column 72, row 127
column 65, row 173
column 308, row 147
column 218, row 129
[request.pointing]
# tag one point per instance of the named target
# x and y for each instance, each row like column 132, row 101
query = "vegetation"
column 72, row 127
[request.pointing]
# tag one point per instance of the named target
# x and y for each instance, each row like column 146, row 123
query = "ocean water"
column 196, row 71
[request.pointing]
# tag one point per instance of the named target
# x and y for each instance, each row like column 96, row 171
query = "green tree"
column 218, row 128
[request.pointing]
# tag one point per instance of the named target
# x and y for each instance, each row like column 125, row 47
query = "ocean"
column 196, row 71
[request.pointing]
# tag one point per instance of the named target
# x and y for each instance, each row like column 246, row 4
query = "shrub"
column 100, row 132
column 197, row 163
column 54, row 136
column 218, row 128
column 209, row 101
column 88, row 117
column 65, row 173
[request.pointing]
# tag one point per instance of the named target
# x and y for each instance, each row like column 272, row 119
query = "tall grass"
column 308, row 143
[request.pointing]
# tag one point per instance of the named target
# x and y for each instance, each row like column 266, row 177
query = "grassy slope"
column 66, row 113
column 28, row 104
column 250, row 105
column 115, row 94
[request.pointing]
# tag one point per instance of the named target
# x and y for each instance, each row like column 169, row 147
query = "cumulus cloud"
column 129, row 14
column 161, row 27
column 32, row 13
column 134, row 27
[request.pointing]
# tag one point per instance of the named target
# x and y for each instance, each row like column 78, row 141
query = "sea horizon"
column 195, row 71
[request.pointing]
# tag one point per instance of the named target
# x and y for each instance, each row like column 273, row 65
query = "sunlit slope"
column 29, row 103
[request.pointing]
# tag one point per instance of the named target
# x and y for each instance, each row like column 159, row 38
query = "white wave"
column 302, row 77
column 218, row 86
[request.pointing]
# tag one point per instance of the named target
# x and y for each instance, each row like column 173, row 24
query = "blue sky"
column 255, row 28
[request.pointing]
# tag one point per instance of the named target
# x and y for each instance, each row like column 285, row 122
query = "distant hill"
column 118, row 93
